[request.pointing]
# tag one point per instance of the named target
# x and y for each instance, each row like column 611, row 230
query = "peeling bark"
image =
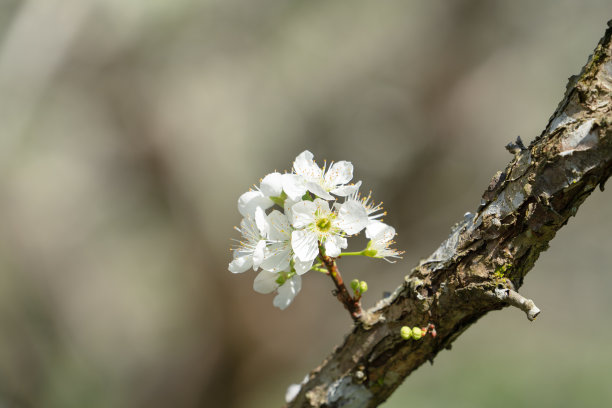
column 487, row 255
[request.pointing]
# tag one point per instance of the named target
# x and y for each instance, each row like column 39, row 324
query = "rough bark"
column 484, row 260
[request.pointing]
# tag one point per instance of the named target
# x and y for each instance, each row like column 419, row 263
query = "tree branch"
column 515, row 299
column 488, row 253
column 353, row 305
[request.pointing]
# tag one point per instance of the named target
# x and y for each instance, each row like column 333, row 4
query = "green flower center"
column 324, row 224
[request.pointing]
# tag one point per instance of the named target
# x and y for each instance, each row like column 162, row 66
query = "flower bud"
column 363, row 287
column 405, row 332
column 417, row 333
column 355, row 285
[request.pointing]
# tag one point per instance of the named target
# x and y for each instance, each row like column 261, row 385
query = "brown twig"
column 353, row 305
column 515, row 299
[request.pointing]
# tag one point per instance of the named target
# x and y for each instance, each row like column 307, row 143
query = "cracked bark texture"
column 488, row 252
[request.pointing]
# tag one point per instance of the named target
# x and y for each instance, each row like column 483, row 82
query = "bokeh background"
column 128, row 129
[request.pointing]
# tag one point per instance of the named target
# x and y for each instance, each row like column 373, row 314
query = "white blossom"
column 278, row 251
column 307, row 176
column 374, row 211
column 352, row 217
column 286, row 288
column 287, row 292
column 250, row 251
column 315, row 223
column 270, row 187
column 381, row 237
column 251, row 200
column 287, row 206
column 285, row 241
column 266, row 282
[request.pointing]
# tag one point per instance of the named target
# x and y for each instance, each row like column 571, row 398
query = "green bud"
column 417, row 333
column 355, row 285
column 363, row 287
column 405, row 332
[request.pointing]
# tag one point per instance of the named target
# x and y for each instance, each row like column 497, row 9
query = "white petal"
column 305, row 166
column 334, row 245
column 347, row 190
column 258, row 254
column 288, row 204
column 385, row 235
column 277, row 257
column 249, row 201
column 240, row 252
column 241, row 264
column 261, row 220
column 280, row 229
column 322, row 206
column 287, row 292
column 318, row 190
column 339, row 173
column 265, row 282
column 378, row 228
column 296, row 281
column 302, row 213
column 352, row 217
column 302, row 267
column 294, row 186
column 304, row 245
column 272, row 185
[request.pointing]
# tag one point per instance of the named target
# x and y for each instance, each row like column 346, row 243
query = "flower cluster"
column 292, row 219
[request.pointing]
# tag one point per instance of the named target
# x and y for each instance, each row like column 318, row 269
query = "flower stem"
column 353, row 305
column 360, row 253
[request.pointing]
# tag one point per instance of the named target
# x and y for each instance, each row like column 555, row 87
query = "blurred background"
column 128, row 129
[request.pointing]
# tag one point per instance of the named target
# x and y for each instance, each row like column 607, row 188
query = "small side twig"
column 353, row 305
column 513, row 298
